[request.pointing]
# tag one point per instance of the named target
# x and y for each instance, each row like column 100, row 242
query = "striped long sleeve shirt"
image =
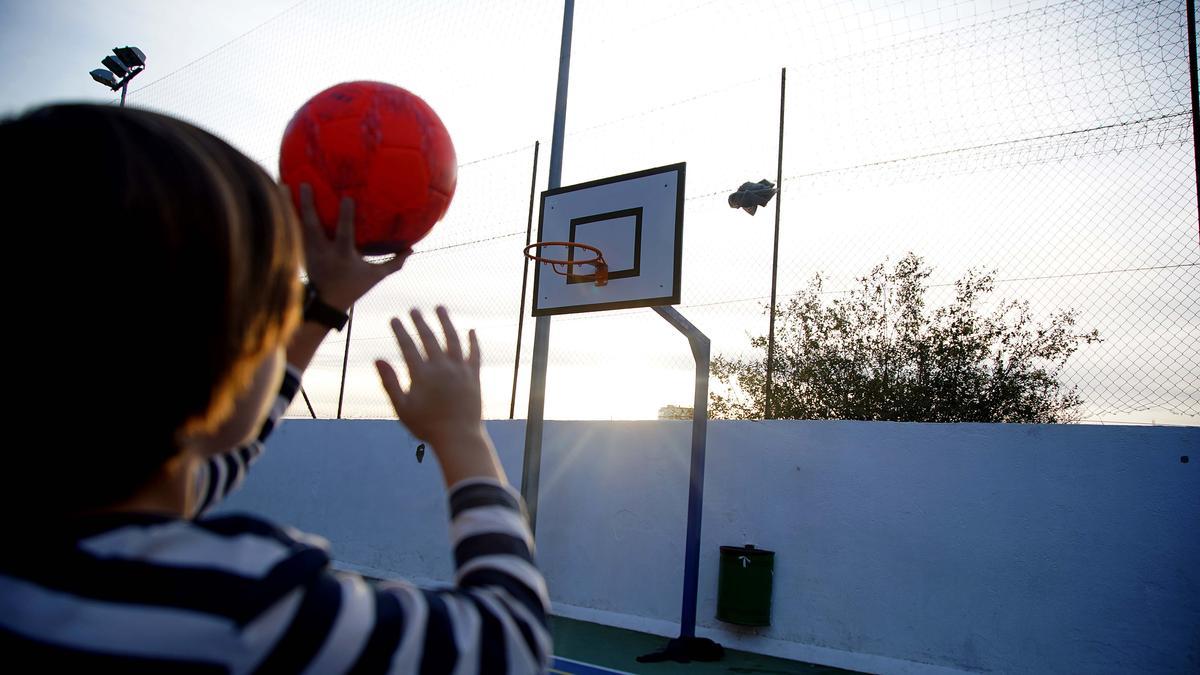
column 140, row 593
column 222, row 474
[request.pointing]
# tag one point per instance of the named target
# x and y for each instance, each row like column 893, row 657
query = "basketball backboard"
column 636, row 219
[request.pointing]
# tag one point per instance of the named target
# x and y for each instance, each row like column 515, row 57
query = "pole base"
column 686, row 650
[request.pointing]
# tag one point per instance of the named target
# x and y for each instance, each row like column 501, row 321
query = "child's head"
column 160, row 269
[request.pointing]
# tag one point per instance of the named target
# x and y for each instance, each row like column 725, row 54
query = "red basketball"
column 381, row 145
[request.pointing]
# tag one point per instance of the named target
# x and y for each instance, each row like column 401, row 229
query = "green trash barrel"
column 744, row 581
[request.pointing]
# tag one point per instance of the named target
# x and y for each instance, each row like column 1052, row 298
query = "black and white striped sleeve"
column 494, row 620
column 237, row 594
column 222, row 474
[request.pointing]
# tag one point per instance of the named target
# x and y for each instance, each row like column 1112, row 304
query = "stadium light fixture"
column 115, row 65
column 125, row 63
column 105, row 78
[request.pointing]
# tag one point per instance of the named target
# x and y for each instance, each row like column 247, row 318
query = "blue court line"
column 561, row 666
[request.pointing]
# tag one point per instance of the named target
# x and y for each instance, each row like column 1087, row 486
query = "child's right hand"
column 334, row 265
column 443, row 404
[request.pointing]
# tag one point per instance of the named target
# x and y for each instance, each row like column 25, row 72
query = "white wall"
column 899, row 547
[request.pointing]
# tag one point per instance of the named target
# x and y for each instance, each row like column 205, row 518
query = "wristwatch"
column 319, row 311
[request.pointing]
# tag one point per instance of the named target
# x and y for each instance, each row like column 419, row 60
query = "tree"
column 675, row 412
column 879, row 353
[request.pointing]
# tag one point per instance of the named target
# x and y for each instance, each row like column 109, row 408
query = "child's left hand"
column 335, row 266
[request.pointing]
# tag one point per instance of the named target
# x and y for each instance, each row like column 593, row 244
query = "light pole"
column 125, row 63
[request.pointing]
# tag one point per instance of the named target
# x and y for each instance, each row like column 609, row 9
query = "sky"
column 1045, row 140
column 58, row 42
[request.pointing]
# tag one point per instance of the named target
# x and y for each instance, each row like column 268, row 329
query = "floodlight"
column 115, row 65
column 131, row 57
column 105, row 78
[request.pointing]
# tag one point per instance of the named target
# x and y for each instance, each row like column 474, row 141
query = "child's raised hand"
column 335, row 266
column 443, row 401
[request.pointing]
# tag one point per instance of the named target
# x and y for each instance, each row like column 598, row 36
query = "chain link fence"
column 1051, row 142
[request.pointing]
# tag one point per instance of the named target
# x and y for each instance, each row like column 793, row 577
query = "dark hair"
column 159, row 265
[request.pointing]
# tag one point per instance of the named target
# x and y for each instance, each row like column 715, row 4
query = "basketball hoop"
column 600, row 276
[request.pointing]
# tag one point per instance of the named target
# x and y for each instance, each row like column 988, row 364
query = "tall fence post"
column 345, row 361
column 1191, row 28
column 512, row 402
column 768, row 410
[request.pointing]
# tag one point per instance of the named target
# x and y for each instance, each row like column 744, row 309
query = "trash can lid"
column 747, row 550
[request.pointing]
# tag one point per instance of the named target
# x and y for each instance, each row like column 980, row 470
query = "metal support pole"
column 532, row 468
column 512, row 402
column 691, row 562
column 687, row 647
column 345, row 360
column 125, row 83
column 768, row 409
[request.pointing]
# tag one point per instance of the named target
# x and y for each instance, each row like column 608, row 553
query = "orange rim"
column 601, row 275
column 587, row 247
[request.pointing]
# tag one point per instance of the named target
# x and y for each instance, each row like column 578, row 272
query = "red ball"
column 381, row 145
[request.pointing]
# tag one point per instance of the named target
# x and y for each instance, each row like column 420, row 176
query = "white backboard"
column 636, row 219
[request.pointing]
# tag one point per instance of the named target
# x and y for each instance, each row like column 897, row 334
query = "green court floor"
column 618, row 649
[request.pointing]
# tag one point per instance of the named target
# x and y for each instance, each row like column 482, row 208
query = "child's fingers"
column 308, row 213
column 433, row 350
column 408, row 349
column 453, row 346
column 345, row 225
column 391, row 384
column 473, row 356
